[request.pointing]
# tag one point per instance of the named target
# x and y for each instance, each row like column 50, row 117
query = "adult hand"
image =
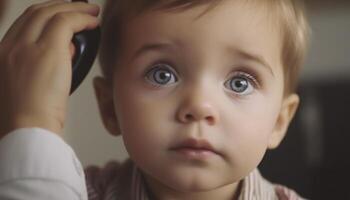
column 35, row 64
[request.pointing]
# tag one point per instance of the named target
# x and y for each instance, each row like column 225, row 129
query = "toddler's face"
column 199, row 99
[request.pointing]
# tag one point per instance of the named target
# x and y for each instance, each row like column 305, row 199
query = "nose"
column 196, row 108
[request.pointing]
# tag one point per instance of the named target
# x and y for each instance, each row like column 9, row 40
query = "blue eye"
column 241, row 84
column 161, row 74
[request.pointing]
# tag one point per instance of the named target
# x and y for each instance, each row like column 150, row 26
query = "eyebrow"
column 152, row 47
column 253, row 57
column 166, row 46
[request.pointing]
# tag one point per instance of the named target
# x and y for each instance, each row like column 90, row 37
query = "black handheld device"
column 86, row 45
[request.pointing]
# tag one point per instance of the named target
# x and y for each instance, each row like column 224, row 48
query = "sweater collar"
column 254, row 187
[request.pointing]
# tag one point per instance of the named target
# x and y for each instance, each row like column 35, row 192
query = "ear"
column 104, row 96
column 287, row 112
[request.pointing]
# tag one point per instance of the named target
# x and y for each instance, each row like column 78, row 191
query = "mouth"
column 195, row 149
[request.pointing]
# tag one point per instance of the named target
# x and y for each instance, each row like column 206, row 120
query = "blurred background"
column 314, row 159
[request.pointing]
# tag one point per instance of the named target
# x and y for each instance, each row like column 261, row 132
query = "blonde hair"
column 293, row 25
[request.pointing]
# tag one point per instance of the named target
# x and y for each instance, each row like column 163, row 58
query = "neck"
column 161, row 192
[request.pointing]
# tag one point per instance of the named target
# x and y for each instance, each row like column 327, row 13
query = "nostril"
column 189, row 117
column 210, row 119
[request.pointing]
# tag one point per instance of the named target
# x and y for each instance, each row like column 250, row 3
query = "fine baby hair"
column 290, row 15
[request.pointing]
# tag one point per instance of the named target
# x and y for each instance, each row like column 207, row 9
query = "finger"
column 14, row 31
column 40, row 18
column 72, row 50
column 59, row 30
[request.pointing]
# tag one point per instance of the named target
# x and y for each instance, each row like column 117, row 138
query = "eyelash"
column 250, row 75
column 160, row 65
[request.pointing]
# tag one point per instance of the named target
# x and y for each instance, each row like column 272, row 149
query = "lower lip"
column 199, row 154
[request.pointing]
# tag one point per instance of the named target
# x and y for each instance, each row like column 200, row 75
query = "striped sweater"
column 124, row 182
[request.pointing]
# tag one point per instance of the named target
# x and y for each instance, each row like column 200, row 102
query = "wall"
column 330, row 50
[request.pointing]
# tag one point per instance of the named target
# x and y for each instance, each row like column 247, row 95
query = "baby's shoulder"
column 256, row 185
column 100, row 181
column 285, row 193
column 95, row 173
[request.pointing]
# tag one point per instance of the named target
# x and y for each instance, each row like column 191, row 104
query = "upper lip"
column 196, row 144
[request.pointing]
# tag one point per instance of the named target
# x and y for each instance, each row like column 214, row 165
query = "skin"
column 197, row 102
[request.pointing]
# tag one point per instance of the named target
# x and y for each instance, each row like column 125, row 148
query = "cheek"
column 248, row 130
column 144, row 124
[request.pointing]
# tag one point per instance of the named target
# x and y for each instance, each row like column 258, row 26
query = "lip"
column 195, row 148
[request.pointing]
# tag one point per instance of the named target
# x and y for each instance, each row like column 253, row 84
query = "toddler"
column 198, row 90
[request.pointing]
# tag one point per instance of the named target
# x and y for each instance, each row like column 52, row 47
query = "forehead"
column 230, row 25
